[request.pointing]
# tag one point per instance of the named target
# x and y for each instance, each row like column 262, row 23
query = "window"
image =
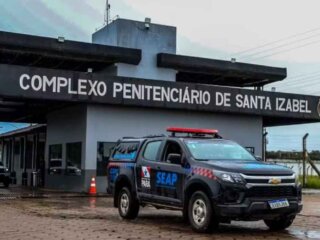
column 151, row 150
column 171, row 148
column 73, row 157
column 207, row 150
column 104, row 150
column 125, row 151
column 250, row 149
column 55, row 159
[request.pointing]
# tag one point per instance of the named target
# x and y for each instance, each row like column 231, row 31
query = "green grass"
column 312, row 182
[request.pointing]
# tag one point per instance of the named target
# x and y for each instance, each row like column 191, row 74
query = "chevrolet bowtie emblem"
column 275, row 180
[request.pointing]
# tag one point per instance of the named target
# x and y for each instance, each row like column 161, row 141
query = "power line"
column 299, row 82
column 287, row 50
column 277, row 41
column 304, row 74
column 302, row 77
column 280, row 46
column 296, row 79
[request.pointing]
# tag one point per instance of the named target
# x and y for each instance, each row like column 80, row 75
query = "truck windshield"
column 206, row 150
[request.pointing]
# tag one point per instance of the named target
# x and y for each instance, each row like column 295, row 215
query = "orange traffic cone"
column 93, row 188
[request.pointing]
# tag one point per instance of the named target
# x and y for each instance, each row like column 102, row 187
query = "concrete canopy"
column 27, row 50
column 219, row 72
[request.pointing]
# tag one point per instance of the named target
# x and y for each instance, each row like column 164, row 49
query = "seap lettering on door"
column 166, row 179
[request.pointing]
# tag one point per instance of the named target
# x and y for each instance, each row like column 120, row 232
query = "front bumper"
column 256, row 209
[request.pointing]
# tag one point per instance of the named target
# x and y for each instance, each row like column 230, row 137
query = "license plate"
column 274, row 204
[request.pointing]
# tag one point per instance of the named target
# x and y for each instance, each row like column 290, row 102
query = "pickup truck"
column 210, row 179
column 4, row 175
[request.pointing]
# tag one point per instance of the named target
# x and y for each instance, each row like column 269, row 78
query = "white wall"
column 133, row 34
column 109, row 123
column 67, row 125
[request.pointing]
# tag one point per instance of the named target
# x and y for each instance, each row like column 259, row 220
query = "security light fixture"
column 233, row 60
column 90, row 70
column 273, row 89
column 147, row 22
column 61, row 39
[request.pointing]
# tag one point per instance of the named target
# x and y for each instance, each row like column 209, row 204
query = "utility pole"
column 264, row 142
column 304, row 159
column 107, row 13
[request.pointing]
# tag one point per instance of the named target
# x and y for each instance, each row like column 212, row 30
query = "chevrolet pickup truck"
column 210, row 179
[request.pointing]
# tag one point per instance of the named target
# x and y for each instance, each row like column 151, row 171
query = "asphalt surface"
column 95, row 218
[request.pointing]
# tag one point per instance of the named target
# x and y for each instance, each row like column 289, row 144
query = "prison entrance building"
column 80, row 98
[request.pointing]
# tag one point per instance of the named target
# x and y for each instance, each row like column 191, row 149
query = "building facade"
column 128, row 82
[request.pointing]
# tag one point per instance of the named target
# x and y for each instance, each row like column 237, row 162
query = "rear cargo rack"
column 148, row 136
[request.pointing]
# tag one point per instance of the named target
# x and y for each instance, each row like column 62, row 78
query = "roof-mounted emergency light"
column 199, row 131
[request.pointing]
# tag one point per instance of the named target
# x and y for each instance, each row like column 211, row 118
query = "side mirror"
column 174, row 158
column 258, row 158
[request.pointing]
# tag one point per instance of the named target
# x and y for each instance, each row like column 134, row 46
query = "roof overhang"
column 27, row 50
column 23, row 131
column 219, row 72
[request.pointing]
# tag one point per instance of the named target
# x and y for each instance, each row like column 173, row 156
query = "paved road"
column 94, row 218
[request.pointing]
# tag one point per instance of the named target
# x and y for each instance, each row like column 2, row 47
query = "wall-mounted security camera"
column 147, row 23
column 61, row 39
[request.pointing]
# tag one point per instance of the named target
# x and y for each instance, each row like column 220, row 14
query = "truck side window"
column 171, row 148
column 125, row 151
column 151, row 151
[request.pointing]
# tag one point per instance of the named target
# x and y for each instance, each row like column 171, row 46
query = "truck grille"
column 276, row 191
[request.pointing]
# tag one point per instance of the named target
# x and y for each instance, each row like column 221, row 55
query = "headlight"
column 297, row 180
column 229, row 177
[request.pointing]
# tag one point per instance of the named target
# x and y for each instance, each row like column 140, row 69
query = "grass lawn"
column 312, row 182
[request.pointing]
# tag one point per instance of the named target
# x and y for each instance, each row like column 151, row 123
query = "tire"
column 128, row 206
column 200, row 213
column 280, row 223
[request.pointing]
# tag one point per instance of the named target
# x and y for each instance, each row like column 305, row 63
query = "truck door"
column 146, row 168
column 170, row 175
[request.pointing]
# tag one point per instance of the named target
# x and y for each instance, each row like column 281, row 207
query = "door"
column 170, row 174
column 146, row 168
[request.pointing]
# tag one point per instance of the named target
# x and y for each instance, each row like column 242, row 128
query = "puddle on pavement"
column 306, row 234
column 96, row 208
column 75, row 203
column 93, row 202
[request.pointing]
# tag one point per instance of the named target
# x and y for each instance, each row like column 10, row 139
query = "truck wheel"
column 200, row 213
column 128, row 206
column 281, row 223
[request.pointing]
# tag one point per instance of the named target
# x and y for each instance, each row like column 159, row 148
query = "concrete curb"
column 307, row 191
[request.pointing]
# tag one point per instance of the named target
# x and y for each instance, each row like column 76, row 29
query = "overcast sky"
column 282, row 33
